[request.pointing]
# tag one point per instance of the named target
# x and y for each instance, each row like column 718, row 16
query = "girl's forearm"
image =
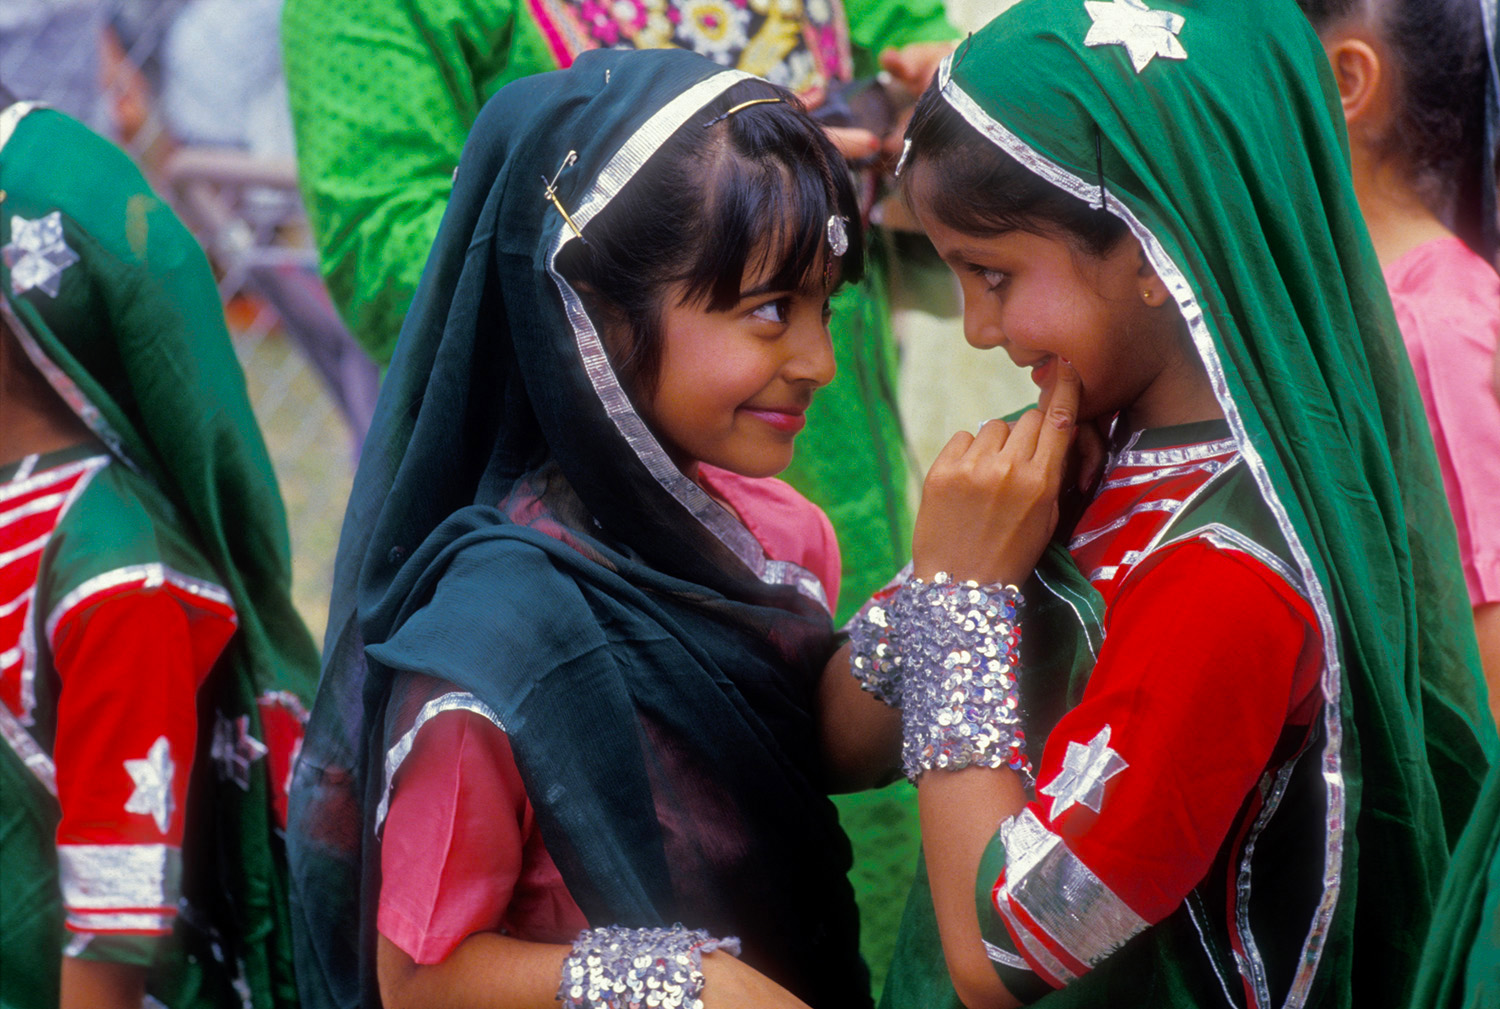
column 960, row 812
column 486, row 971
column 861, row 737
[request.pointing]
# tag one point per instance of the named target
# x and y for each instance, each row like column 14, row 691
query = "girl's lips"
column 1041, row 372
column 790, row 423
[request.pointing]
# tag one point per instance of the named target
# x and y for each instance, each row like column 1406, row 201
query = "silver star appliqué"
column 234, row 749
column 1143, row 32
column 153, row 783
column 37, row 254
column 1085, row 770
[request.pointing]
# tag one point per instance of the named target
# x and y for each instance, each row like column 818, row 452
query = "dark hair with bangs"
column 753, row 191
column 984, row 191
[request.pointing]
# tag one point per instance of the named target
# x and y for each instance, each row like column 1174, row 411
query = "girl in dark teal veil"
column 1243, row 676
column 535, row 550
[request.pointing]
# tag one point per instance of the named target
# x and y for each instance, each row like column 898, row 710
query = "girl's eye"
column 771, row 311
column 993, row 279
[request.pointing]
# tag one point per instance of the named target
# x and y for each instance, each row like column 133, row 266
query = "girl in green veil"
column 1232, row 722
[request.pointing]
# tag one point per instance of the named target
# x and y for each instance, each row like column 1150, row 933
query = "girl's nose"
column 982, row 329
column 812, row 355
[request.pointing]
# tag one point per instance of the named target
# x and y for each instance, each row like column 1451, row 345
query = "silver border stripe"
column 122, row 921
column 397, row 754
column 33, row 507
column 1208, row 953
column 85, row 470
column 1167, row 505
column 25, row 549
column 1063, row 895
column 27, row 467
column 57, row 474
column 117, row 877
column 11, row 116
column 1176, row 456
column 1207, row 466
column 619, row 171
column 1040, row 954
column 63, row 385
column 1005, row 957
column 33, row 756
column 1072, row 605
column 148, row 576
column 1192, row 314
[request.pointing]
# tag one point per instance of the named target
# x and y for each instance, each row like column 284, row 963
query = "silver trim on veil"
column 619, row 171
column 1192, row 313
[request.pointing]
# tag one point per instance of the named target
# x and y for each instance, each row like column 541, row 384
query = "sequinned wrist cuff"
column 615, row 967
column 960, row 646
column 874, row 659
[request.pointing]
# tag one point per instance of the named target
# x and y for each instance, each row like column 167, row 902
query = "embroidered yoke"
column 109, row 623
column 1156, row 785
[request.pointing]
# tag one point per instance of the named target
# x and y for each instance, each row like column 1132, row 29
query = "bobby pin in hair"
column 742, row 105
column 551, row 194
column 1099, row 164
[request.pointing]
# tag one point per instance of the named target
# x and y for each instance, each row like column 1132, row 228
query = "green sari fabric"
column 1218, row 140
column 135, row 342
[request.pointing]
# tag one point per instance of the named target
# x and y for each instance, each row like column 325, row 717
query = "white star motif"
column 1084, row 772
column 234, row 749
column 37, row 254
column 153, row 783
column 1143, row 32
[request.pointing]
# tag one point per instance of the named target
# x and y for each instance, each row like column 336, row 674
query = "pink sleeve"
column 1447, row 303
column 787, row 525
column 453, row 839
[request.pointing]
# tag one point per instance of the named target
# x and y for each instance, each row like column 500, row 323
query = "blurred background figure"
column 1416, row 80
column 192, row 89
column 152, row 666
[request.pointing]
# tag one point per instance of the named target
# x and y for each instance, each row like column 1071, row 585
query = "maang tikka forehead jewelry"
column 551, row 194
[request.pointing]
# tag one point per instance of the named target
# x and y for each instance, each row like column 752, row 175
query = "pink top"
column 1447, row 303
column 460, row 851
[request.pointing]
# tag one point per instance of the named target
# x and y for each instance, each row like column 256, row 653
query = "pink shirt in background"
column 460, row 849
column 1447, row 302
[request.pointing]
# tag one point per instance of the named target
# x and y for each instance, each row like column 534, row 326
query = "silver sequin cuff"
column 960, row 646
column 874, row 658
column 615, row 967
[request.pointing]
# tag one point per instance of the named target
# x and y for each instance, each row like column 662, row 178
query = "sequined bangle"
column 960, row 645
column 615, row 967
column 874, row 659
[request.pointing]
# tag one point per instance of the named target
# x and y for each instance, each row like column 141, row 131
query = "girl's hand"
column 989, row 503
column 728, row 983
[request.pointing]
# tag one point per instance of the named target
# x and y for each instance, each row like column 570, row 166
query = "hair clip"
column 551, row 194
column 838, row 234
column 901, row 162
column 742, row 105
column 1099, row 165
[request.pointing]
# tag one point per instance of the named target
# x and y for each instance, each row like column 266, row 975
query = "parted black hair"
column 751, row 191
column 985, row 191
column 1440, row 64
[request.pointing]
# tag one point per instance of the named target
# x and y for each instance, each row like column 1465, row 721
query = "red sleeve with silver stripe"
column 130, row 665
column 1208, row 657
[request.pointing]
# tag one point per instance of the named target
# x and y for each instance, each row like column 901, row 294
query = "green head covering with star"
column 1212, row 130
column 113, row 300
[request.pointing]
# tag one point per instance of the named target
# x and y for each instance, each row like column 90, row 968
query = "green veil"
column 1212, row 130
column 137, row 347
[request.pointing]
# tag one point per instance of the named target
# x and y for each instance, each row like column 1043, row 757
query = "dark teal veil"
column 516, row 531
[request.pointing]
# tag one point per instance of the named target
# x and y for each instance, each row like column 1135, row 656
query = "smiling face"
column 734, row 385
column 1040, row 297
